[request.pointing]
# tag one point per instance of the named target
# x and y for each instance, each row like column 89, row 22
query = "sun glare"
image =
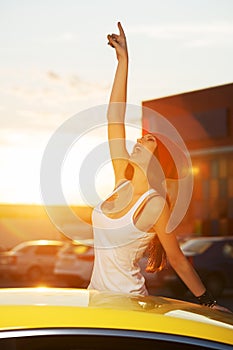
column 20, row 175
column 20, row 170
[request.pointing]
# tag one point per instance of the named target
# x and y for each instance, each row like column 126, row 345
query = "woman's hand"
column 221, row 308
column 118, row 42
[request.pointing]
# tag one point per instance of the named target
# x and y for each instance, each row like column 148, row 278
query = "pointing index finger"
column 120, row 29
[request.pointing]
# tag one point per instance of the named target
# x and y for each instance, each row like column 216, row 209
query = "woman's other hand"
column 118, row 42
column 221, row 308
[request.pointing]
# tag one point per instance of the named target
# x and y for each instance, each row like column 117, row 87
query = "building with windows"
column 204, row 119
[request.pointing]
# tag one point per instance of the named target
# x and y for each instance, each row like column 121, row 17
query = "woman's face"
column 144, row 149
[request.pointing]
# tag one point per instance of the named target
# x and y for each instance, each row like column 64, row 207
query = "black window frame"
column 43, row 339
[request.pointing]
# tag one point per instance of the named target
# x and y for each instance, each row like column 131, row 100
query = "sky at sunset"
column 55, row 63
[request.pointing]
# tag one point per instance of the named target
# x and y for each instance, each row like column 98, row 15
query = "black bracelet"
column 207, row 299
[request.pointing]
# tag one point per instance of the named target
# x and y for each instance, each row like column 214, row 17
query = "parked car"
column 74, row 263
column 31, row 259
column 212, row 258
column 65, row 319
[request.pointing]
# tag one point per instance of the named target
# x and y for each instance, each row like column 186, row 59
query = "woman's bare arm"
column 117, row 106
column 176, row 258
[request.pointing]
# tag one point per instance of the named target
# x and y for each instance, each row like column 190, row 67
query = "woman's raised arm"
column 117, row 106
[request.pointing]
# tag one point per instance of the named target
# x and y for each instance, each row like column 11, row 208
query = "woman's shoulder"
column 155, row 203
column 155, row 195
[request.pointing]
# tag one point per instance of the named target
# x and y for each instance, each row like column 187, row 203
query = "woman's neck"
column 140, row 181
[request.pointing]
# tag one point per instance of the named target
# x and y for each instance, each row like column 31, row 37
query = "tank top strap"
column 113, row 192
column 141, row 199
column 118, row 187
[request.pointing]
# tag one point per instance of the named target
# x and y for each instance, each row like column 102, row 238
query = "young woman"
column 135, row 215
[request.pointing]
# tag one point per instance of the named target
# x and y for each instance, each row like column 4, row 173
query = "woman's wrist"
column 123, row 59
column 207, row 299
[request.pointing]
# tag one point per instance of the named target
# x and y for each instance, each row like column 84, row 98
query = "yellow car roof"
column 41, row 308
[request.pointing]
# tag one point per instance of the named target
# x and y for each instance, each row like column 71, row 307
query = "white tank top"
column 118, row 245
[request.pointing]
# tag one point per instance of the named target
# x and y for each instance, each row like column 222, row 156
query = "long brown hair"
column 157, row 258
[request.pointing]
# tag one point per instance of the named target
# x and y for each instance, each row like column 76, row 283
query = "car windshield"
column 195, row 246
